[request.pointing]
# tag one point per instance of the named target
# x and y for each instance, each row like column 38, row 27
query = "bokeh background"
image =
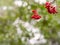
column 17, row 27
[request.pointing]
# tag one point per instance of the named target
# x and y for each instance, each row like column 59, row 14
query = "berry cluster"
column 51, row 9
column 35, row 15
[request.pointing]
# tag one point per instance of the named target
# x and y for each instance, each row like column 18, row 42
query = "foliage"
column 49, row 24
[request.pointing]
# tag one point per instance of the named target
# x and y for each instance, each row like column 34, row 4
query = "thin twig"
column 52, row 1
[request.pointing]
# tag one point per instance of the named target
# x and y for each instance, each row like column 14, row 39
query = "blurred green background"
column 15, row 15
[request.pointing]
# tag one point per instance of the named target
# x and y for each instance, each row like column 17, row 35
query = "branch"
column 52, row 1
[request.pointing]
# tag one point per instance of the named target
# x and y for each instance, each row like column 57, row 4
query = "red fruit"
column 52, row 10
column 47, row 5
column 49, row 10
column 36, row 16
column 34, row 11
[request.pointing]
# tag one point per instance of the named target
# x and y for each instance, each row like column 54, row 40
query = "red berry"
column 34, row 11
column 36, row 16
column 52, row 10
column 47, row 5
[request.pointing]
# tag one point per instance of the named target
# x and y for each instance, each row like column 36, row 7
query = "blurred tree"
column 49, row 25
